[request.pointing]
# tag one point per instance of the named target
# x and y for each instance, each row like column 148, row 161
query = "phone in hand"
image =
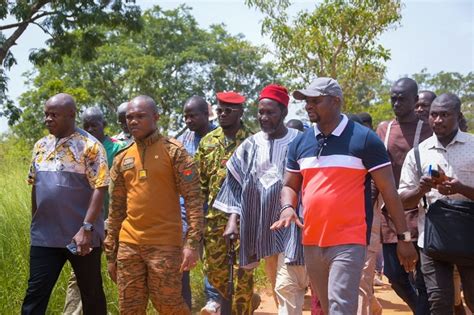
column 72, row 248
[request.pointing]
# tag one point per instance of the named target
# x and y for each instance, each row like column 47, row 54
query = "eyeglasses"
column 321, row 144
column 225, row 110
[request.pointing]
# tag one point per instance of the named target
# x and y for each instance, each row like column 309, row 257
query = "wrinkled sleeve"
column 117, row 210
column 229, row 198
column 409, row 178
column 201, row 164
column 187, row 182
column 97, row 169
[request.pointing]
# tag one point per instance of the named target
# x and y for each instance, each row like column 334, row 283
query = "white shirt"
column 456, row 160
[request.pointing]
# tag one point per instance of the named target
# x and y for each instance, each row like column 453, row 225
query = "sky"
column 434, row 34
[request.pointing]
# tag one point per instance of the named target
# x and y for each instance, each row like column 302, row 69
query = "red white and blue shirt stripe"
column 336, row 190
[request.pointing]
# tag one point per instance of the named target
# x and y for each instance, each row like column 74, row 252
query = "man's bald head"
column 422, row 108
column 428, row 95
column 63, row 100
column 197, row 103
column 449, row 101
column 295, row 124
column 403, row 96
column 93, row 113
column 146, row 101
column 142, row 115
column 196, row 115
column 445, row 113
column 93, row 122
column 121, row 112
column 122, row 108
column 60, row 113
column 406, row 84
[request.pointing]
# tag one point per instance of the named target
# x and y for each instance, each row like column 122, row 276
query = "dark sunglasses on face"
column 225, row 110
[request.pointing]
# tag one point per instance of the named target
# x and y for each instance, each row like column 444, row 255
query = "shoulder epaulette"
column 125, row 148
column 173, row 141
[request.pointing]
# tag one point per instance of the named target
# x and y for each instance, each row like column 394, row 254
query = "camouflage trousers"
column 150, row 271
column 217, row 268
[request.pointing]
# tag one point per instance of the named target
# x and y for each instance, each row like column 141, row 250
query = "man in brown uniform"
column 144, row 244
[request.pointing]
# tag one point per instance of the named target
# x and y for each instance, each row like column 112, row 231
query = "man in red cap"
column 251, row 190
column 213, row 152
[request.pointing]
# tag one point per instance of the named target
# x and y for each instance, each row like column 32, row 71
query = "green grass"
column 15, row 218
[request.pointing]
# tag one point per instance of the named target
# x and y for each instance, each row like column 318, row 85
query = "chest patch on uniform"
column 128, row 163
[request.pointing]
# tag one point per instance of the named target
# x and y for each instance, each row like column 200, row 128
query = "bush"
column 15, row 218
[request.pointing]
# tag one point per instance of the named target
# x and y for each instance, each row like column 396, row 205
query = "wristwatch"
column 405, row 236
column 87, row 226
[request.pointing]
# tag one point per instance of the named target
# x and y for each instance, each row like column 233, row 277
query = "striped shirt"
column 336, row 182
column 252, row 190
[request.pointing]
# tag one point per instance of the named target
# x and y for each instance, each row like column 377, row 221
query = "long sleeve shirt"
column 147, row 179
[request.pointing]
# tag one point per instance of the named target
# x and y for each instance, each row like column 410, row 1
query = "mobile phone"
column 434, row 173
column 72, row 248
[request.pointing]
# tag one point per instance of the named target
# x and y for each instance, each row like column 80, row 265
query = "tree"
column 337, row 39
column 170, row 59
column 58, row 18
column 451, row 82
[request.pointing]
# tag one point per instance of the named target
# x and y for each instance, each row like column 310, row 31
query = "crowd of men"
column 317, row 203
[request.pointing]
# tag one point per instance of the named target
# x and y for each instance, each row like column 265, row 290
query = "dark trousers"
column 186, row 289
column 412, row 291
column 46, row 264
column 439, row 284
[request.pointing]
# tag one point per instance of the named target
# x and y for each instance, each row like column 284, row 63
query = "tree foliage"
column 337, row 39
column 58, row 18
column 451, row 82
column 170, row 59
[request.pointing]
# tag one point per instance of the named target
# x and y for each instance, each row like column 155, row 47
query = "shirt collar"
column 460, row 137
column 339, row 129
column 155, row 136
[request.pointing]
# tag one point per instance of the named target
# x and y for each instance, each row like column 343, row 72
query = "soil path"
column 391, row 303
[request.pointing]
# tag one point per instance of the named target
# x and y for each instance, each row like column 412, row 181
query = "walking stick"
column 226, row 308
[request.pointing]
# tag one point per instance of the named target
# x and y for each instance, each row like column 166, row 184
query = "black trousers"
column 439, row 284
column 46, row 264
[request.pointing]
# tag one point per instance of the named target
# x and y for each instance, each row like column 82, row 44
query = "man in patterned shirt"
column 70, row 176
column 144, row 244
column 213, row 152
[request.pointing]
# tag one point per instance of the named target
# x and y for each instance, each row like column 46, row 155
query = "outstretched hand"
column 286, row 217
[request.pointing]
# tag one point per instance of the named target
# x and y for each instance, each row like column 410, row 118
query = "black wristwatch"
column 286, row 207
column 87, row 226
column 405, row 236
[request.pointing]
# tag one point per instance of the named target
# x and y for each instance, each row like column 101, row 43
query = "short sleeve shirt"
column 336, row 182
column 456, row 160
column 65, row 172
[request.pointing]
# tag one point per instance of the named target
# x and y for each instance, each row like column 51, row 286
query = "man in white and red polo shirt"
column 332, row 164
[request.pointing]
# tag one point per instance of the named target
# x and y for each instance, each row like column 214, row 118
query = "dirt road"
column 391, row 303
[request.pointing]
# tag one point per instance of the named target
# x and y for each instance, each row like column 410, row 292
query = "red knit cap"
column 275, row 92
column 230, row 98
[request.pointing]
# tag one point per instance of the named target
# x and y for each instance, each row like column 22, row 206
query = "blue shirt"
column 190, row 140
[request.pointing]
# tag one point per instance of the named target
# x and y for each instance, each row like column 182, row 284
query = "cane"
column 227, row 303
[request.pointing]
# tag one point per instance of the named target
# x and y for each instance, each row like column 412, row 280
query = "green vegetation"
column 170, row 59
column 15, row 218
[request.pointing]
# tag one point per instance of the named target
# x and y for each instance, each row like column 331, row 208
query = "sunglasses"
column 320, row 146
column 225, row 110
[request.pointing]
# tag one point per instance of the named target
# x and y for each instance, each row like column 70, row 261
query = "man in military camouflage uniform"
column 144, row 245
column 213, row 152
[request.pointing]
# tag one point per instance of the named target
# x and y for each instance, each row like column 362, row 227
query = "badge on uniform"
column 142, row 174
column 128, row 163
